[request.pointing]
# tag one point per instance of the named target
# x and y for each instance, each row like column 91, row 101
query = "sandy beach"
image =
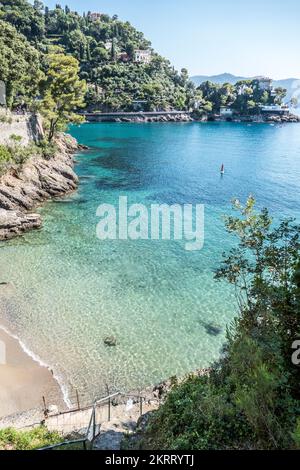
column 23, row 382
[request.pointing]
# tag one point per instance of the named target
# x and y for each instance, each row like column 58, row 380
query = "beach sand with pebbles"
column 23, row 381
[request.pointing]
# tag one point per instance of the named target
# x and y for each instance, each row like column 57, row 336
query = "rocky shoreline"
column 160, row 118
column 38, row 180
column 143, row 118
column 291, row 118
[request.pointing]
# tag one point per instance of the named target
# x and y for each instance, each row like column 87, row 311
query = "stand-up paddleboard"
column 222, row 169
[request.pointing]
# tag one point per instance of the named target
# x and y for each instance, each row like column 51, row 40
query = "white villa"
column 95, row 16
column 276, row 109
column 226, row 112
column 143, row 56
column 265, row 83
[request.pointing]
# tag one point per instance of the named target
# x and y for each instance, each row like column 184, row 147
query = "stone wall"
column 27, row 126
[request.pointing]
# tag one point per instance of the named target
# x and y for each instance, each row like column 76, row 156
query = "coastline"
column 39, row 366
column 39, row 180
column 185, row 117
column 25, row 380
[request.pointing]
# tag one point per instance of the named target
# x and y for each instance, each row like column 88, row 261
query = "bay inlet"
column 159, row 301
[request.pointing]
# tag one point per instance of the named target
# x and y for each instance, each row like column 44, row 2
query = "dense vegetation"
column 11, row 439
column 105, row 50
column 20, row 67
column 246, row 97
column 54, row 61
column 14, row 154
column 251, row 399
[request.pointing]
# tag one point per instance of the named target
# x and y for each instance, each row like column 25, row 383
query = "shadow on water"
column 120, row 184
column 212, row 329
column 116, row 140
column 115, row 160
column 70, row 201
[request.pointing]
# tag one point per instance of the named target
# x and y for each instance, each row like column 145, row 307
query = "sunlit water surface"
column 159, row 301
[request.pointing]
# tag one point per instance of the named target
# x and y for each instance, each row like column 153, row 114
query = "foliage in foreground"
column 11, row 439
column 15, row 155
column 251, row 400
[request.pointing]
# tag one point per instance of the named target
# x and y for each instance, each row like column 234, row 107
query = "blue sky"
column 248, row 38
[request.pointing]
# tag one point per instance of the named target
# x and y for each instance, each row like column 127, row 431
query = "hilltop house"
column 95, row 16
column 143, row 56
column 2, row 94
column 265, row 83
column 123, row 57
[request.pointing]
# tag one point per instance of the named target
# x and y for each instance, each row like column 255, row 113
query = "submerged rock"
column 110, row 341
column 213, row 329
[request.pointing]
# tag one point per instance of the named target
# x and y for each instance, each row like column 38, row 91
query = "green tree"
column 64, row 93
column 20, row 67
column 87, row 41
column 26, row 18
column 250, row 399
column 280, row 94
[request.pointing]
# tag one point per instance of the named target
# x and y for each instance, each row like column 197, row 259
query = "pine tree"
column 64, row 93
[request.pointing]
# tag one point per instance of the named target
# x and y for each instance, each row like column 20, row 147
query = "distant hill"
column 220, row 79
column 291, row 84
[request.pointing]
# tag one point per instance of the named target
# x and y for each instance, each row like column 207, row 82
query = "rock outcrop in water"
column 143, row 117
column 37, row 181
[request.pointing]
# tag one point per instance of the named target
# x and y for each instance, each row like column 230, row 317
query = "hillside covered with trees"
column 106, row 49
column 120, row 68
column 244, row 98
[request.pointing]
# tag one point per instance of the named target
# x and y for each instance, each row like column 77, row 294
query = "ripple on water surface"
column 160, row 302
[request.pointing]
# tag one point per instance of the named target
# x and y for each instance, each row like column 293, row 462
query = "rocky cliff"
column 22, row 189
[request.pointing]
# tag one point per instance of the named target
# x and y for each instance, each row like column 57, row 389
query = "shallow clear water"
column 72, row 290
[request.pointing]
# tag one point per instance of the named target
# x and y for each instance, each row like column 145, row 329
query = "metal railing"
column 94, row 427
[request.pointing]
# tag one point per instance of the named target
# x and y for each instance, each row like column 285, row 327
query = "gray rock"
column 37, row 181
column 110, row 341
column 14, row 223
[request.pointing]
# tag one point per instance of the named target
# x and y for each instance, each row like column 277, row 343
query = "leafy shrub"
column 11, row 439
column 5, row 158
column 47, row 149
column 296, row 435
column 5, row 154
column 15, row 138
column 4, row 119
column 251, row 399
column 16, row 154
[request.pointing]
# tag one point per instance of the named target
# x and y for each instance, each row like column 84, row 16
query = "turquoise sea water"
column 71, row 290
